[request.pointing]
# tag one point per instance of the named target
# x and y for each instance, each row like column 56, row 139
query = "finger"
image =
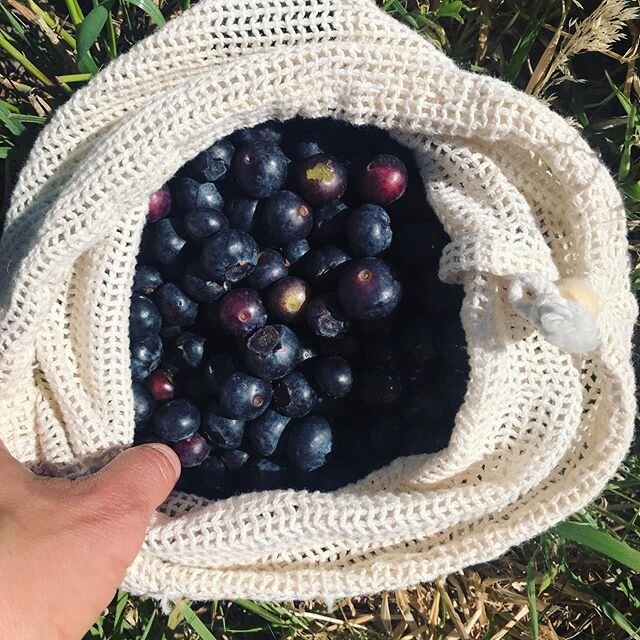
column 138, row 480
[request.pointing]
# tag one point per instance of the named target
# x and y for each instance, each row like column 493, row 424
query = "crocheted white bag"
column 518, row 191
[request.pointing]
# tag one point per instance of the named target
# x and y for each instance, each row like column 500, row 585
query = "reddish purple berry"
column 383, row 180
column 241, row 312
column 320, row 179
column 192, row 451
column 159, row 204
column 286, row 299
column 161, row 384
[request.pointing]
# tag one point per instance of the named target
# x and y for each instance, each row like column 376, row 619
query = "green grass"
column 579, row 580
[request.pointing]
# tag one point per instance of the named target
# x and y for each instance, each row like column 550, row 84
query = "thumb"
column 138, row 480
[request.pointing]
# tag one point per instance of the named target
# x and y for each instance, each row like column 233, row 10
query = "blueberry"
column 234, row 459
column 334, row 376
column 145, row 356
column 271, row 267
column 369, row 230
column 305, row 149
column 268, row 132
column 199, row 287
column 380, row 388
column 218, row 368
column 323, row 266
column 176, row 420
column 170, row 331
column 286, row 217
column 146, row 279
column 189, row 350
column 202, row 223
column 385, row 434
column 416, row 245
column 159, row 204
column 383, row 180
column 295, row 251
column 368, row 289
column 452, row 344
column 260, row 169
column 439, row 297
column 243, row 396
column 192, row 450
column 161, row 384
column 310, row 442
column 325, row 316
column 422, row 407
column 175, row 306
column 330, row 223
column 241, row 312
column 221, row 431
column 143, row 404
column 230, row 255
column 286, row 298
column 144, row 317
column 212, row 479
column 320, row 179
column 272, row 352
column 213, row 163
column 265, row 475
column 165, row 243
column 241, row 214
column 191, row 194
column 294, row 396
column 264, row 432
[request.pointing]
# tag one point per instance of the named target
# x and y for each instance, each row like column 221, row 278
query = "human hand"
column 65, row 545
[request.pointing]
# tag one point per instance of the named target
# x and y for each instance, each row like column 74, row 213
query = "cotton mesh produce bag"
column 548, row 414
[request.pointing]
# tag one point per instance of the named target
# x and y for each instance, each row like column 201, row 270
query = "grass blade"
column 600, row 541
column 20, row 58
column 258, row 609
column 9, row 120
column 606, row 607
column 75, row 77
column 624, row 167
column 150, row 9
column 521, row 51
column 75, row 12
column 52, row 24
column 531, row 597
column 15, row 24
column 194, row 622
column 90, row 28
column 112, row 43
column 121, row 604
column 149, row 624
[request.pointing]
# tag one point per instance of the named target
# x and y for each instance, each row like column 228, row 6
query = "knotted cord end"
column 563, row 312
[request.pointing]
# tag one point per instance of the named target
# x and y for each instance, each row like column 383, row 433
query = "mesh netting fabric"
column 517, row 189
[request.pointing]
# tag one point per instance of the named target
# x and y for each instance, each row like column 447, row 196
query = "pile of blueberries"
column 287, row 325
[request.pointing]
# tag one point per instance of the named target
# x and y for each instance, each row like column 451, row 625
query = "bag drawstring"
column 564, row 312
